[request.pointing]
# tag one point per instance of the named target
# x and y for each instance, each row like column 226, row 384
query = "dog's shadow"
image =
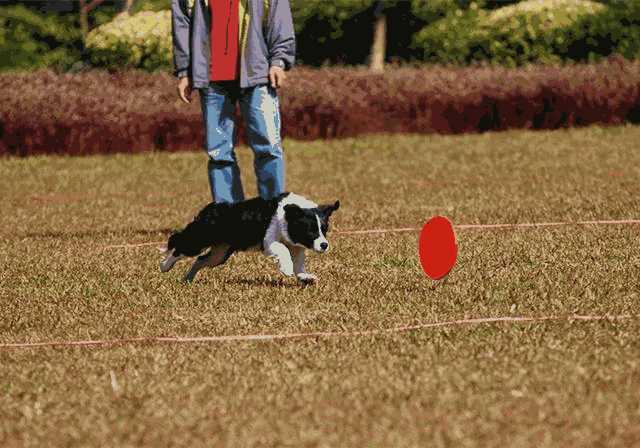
column 95, row 233
column 266, row 282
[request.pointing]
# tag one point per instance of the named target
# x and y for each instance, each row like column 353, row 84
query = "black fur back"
column 241, row 225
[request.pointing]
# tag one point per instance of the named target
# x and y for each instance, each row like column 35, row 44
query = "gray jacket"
column 269, row 40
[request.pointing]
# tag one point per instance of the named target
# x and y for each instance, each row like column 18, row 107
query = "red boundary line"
column 457, row 226
column 315, row 334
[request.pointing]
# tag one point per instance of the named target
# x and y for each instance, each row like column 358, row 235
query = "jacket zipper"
column 226, row 45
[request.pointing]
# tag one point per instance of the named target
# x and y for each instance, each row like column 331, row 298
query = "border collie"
column 282, row 228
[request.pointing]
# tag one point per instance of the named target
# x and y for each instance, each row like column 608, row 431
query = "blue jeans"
column 260, row 111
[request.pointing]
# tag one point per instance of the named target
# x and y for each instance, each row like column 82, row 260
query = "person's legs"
column 218, row 106
column 261, row 113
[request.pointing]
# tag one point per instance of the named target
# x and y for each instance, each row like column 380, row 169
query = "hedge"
column 135, row 111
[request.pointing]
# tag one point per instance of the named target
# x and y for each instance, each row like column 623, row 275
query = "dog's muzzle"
column 321, row 245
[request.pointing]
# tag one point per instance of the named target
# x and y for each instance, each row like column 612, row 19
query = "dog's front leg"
column 169, row 260
column 298, row 266
column 279, row 251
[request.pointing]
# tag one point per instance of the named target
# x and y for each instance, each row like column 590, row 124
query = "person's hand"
column 277, row 77
column 184, row 89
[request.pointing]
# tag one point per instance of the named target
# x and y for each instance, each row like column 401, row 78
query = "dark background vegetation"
column 328, row 32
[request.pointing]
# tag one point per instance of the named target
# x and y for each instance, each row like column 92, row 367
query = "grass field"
column 561, row 383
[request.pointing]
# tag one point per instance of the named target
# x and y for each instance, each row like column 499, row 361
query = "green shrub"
column 532, row 31
column 29, row 40
column 142, row 40
column 615, row 29
column 432, row 10
column 450, row 40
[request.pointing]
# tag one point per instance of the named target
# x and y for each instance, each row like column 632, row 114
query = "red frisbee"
column 437, row 248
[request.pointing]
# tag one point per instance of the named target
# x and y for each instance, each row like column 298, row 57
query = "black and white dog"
column 282, row 228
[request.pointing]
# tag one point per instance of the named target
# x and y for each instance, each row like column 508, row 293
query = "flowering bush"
column 142, row 41
column 532, row 31
column 551, row 13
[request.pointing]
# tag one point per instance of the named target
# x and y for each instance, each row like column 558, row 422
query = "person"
column 236, row 51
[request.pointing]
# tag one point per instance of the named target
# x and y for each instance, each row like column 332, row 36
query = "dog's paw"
column 187, row 278
column 307, row 279
column 286, row 268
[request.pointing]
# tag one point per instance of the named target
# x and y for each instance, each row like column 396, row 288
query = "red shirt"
column 224, row 39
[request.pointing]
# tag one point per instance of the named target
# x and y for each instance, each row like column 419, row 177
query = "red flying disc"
column 437, row 248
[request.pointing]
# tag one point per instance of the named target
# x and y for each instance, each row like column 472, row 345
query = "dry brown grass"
column 546, row 384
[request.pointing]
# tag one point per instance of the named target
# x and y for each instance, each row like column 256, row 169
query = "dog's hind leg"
column 298, row 266
column 215, row 257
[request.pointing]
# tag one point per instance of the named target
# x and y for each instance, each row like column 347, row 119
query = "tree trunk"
column 84, row 19
column 378, row 49
column 127, row 6
column 84, row 15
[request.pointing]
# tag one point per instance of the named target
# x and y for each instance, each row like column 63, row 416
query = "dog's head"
column 308, row 227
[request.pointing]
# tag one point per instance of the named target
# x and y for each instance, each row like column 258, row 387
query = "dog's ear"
column 292, row 211
column 328, row 209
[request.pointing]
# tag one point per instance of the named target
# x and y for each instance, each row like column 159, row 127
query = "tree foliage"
column 31, row 40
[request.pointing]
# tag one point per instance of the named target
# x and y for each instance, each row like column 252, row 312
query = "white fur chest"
column 278, row 230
